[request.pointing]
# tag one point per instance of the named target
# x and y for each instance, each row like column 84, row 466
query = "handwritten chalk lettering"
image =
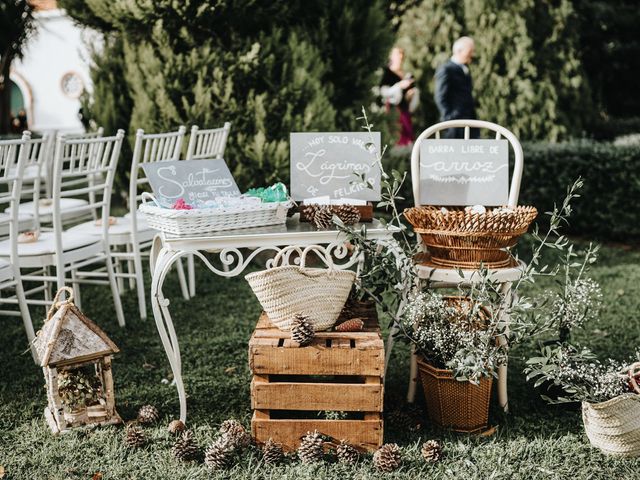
column 327, row 163
column 191, row 179
column 464, row 172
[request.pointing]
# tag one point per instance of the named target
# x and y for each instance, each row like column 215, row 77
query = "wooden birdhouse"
column 75, row 356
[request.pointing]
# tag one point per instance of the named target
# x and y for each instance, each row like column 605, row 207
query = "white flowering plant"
column 578, row 374
column 454, row 333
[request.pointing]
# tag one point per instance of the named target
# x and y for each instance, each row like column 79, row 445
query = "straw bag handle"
column 286, row 252
column 57, row 304
column 634, row 369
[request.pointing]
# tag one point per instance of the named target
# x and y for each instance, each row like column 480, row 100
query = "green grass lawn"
column 534, row 441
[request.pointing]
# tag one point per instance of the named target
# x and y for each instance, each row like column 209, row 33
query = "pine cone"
column 347, row 453
column 302, row 331
column 148, row 414
column 432, row 451
column 272, row 452
column 176, row 426
column 135, row 437
column 235, row 434
column 387, row 458
column 185, row 447
column 349, row 214
column 219, row 454
column 322, row 216
column 310, row 449
column 352, row 325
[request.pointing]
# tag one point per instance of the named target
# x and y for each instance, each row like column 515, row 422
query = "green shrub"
column 606, row 208
column 269, row 68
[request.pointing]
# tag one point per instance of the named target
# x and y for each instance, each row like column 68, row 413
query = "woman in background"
column 398, row 88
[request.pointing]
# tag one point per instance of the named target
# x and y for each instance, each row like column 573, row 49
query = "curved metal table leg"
column 162, row 262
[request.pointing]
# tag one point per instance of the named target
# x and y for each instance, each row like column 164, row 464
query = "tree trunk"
column 5, row 94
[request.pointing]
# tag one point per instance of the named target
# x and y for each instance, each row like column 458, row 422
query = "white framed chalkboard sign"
column 194, row 181
column 464, row 172
column 327, row 163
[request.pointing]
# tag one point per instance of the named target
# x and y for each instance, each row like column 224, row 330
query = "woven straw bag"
column 319, row 293
column 614, row 426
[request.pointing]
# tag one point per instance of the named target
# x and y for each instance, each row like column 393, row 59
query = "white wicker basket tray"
column 210, row 220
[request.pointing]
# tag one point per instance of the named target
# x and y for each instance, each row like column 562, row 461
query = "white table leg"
column 162, row 262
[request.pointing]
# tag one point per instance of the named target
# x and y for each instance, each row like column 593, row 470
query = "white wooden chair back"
column 207, row 144
column 150, row 148
column 94, row 159
column 499, row 133
column 68, row 151
column 13, row 155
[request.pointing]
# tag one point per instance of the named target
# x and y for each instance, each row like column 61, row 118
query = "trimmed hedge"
column 608, row 207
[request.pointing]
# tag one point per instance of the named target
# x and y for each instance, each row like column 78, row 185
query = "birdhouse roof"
column 70, row 336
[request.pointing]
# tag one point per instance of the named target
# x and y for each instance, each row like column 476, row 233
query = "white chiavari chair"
column 203, row 145
column 13, row 159
column 74, row 255
column 130, row 235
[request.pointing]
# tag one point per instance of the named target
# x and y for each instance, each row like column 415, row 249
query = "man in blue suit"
column 454, row 89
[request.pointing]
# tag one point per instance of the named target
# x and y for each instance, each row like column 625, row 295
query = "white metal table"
column 167, row 249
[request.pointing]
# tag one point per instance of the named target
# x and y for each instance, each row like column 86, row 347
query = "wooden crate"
column 338, row 372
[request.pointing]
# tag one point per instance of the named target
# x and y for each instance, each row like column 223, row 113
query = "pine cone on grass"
column 176, row 427
column 272, row 452
column 311, row 448
column 387, row 458
column 148, row 414
column 185, row 448
column 348, row 214
column 135, row 437
column 432, row 451
column 347, row 453
column 235, row 434
column 302, row 331
column 219, row 454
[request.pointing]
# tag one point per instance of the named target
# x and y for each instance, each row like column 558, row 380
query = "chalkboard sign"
column 194, row 181
column 464, row 172
column 326, row 163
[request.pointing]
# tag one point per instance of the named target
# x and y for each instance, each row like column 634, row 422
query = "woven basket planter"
column 614, row 426
column 460, row 406
column 456, row 238
column 319, row 293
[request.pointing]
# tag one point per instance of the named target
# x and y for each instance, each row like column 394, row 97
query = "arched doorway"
column 21, row 112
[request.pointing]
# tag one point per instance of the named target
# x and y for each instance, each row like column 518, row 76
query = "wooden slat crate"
column 338, row 372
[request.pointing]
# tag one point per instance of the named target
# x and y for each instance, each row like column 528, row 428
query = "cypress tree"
column 527, row 75
column 268, row 67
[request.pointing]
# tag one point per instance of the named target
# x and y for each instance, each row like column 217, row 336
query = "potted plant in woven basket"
column 609, row 393
column 456, row 339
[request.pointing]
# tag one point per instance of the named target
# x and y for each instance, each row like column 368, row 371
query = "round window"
column 72, row 85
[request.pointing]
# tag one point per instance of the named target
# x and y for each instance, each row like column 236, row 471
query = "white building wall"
column 58, row 47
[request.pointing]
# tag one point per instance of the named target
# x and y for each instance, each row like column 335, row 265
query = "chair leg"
column 137, row 262
column 183, row 280
column 119, row 280
column 26, row 315
column 117, row 302
column 131, row 267
column 76, row 289
column 191, row 272
column 413, row 377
